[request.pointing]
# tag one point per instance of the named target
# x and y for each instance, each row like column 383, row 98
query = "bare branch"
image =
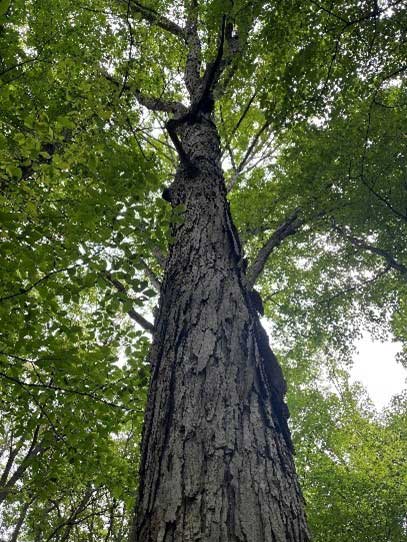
column 289, row 227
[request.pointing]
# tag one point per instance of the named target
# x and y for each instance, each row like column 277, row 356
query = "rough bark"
column 216, row 453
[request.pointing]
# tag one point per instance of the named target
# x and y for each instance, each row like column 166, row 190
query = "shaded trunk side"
column 216, row 452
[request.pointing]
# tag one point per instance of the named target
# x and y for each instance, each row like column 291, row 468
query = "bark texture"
column 216, row 454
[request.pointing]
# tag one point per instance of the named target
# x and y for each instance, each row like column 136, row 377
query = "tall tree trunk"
column 216, row 453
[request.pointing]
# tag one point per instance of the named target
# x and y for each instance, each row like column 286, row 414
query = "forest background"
column 314, row 156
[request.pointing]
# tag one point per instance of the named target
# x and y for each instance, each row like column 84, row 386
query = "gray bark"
column 216, row 454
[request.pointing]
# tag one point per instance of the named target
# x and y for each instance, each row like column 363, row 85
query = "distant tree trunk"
column 216, row 454
column 20, row 521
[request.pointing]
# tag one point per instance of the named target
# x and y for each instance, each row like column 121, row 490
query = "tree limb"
column 235, row 47
column 192, row 74
column 24, row 291
column 360, row 243
column 151, row 275
column 157, row 104
column 141, row 321
column 150, row 102
column 160, row 256
column 21, row 519
column 10, row 461
column 202, row 102
column 33, row 450
column 289, row 227
column 355, row 287
column 155, row 18
column 73, row 514
column 241, row 119
column 212, row 72
column 72, row 391
column 248, row 154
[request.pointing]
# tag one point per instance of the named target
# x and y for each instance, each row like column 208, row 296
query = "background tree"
column 305, row 150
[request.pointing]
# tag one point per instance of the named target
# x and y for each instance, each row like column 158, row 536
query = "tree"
column 349, row 459
column 85, row 233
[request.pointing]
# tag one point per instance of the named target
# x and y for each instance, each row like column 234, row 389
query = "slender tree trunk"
column 216, row 453
column 20, row 521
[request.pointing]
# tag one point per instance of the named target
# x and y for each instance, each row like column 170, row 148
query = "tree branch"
column 150, row 102
column 360, row 243
column 24, row 291
column 151, row 275
column 289, row 227
column 194, row 57
column 248, row 154
column 72, row 391
column 235, row 47
column 202, row 102
column 156, row 104
column 141, row 321
column 160, row 257
column 155, row 18
column 74, row 513
column 10, row 461
column 213, row 70
column 355, row 287
column 241, row 119
column 33, row 450
column 21, row 519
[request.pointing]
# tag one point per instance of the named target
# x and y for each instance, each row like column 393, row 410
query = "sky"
column 376, row 368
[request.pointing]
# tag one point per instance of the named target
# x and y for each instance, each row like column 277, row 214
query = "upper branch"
column 211, row 75
column 248, row 154
column 290, row 226
column 141, row 321
column 157, row 104
column 234, row 47
column 155, row 18
column 152, row 103
column 360, row 243
column 194, row 57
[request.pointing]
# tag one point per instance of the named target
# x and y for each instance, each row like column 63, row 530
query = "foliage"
column 351, row 462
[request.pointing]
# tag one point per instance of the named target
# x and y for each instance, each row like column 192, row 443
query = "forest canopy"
column 311, row 113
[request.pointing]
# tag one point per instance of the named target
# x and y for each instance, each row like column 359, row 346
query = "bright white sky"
column 376, row 368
